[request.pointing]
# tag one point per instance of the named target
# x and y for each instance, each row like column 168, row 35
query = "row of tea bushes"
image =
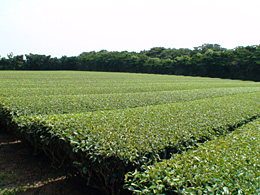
column 82, row 90
column 228, row 165
column 104, row 145
column 59, row 104
column 37, row 83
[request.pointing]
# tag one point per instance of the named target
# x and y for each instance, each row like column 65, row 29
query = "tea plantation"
column 148, row 134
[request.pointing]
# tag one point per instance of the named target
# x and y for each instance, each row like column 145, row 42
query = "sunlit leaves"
column 227, row 165
column 107, row 124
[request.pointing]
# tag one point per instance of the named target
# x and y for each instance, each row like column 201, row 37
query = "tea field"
column 148, row 134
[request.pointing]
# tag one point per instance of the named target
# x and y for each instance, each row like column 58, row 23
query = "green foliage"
column 227, row 165
column 59, row 104
column 147, row 129
column 13, row 191
column 208, row 60
column 113, row 142
column 45, row 83
column 107, row 124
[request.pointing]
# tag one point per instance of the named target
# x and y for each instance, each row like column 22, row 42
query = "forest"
column 207, row 60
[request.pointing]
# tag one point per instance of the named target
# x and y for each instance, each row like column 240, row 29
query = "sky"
column 70, row 27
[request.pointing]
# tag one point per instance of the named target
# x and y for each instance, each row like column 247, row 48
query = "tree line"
column 208, row 60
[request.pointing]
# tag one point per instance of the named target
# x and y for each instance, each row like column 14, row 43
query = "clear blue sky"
column 70, row 27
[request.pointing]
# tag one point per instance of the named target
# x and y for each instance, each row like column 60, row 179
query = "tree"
column 206, row 46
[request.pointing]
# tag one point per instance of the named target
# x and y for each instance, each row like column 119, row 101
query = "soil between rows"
column 23, row 173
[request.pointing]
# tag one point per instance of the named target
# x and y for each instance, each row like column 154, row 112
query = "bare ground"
column 26, row 174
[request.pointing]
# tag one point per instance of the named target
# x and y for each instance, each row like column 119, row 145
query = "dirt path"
column 24, row 173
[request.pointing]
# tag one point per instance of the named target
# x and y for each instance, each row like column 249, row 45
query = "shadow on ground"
column 24, row 173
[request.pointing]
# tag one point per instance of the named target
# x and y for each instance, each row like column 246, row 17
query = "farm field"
column 108, row 124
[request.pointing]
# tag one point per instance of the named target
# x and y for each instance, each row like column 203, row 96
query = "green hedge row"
column 59, row 104
column 228, row 165
column 18, row 84
column 104, row 145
